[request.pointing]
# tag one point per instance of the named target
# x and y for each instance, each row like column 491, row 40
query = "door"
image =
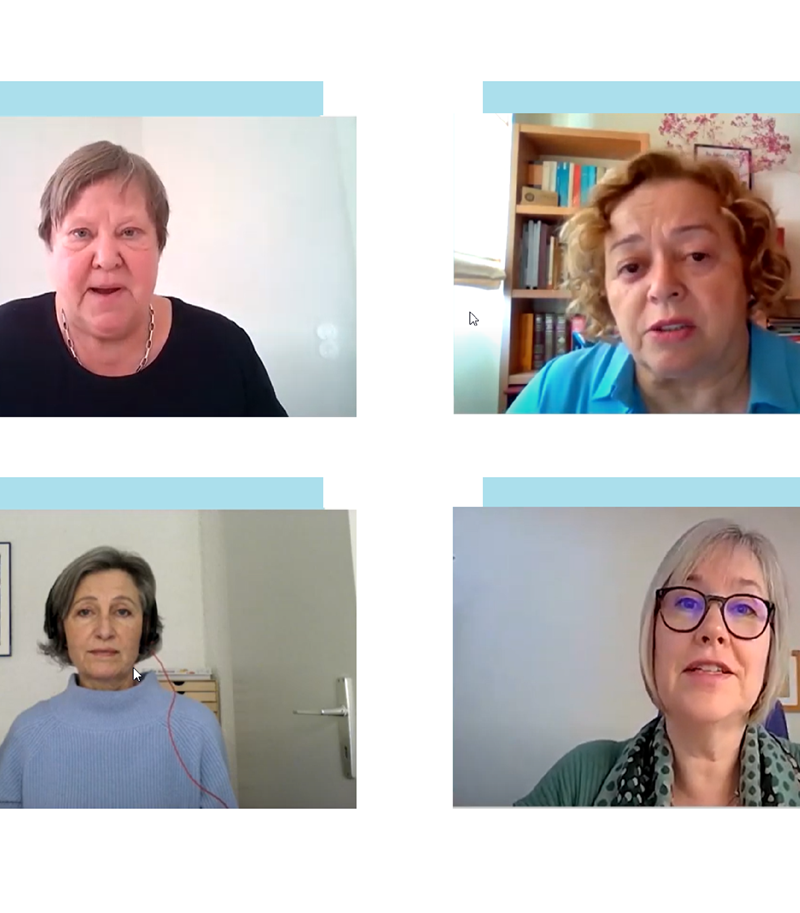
column 292, row 617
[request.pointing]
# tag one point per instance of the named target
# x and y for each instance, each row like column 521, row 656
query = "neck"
column 726, row 390
column 108, row 357
column 706, row 762
column 110, row 685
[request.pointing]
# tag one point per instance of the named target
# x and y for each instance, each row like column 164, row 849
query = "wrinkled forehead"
column 110, row 193
column 669, row 205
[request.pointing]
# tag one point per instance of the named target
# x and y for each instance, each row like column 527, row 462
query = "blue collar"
column 770, row 380
column 619, row 380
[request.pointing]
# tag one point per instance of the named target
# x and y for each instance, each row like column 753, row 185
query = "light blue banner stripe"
column 633, row 97
column 161, row 99
column 641, row 492
column 161, row 494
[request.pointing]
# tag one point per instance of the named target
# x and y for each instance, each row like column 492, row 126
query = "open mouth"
column 717, row 670
column 672, row 331
column 107, row 292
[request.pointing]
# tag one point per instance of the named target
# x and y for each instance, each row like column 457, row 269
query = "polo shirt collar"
column 618, row 382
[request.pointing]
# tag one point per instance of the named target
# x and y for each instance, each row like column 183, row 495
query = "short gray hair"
column 684, row 556
column 62, row 594
column 92, row 164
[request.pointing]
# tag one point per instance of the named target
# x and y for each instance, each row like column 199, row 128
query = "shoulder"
column 199, row 319
column 33, row 721
column 566, row 383
column 576, row 779
column 23, row 310
column 191, row 713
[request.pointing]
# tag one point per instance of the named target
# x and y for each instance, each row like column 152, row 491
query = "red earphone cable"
column 174, row 746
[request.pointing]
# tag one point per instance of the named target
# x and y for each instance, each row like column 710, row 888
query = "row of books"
column 541, row 256
column 572, row 182
column 542, row 337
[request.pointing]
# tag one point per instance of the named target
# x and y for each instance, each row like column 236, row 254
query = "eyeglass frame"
column 723, row 601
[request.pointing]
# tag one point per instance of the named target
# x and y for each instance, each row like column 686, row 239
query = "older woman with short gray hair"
column 114, row 738
column 713, row 657
column 103, row 343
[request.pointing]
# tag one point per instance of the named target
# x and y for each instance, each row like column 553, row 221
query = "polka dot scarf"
column 769, row 774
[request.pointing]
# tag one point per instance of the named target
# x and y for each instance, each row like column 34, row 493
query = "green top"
column 576, row 779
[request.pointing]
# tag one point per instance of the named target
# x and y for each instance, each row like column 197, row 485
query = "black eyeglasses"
column 684, row 609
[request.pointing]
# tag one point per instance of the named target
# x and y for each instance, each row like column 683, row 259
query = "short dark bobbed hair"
column 62, row 593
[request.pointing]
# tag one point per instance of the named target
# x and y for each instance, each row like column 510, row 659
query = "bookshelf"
column 533, row 142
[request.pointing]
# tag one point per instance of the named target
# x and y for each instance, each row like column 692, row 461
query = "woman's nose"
column 665, row 282
column 713, row 627
column 104, row 627
column 106, row 251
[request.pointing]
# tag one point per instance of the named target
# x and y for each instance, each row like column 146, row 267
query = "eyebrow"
column 681, row 230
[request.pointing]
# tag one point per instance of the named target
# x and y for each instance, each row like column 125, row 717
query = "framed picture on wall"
column 5, row 599
column 740, row 159
column 789, row 695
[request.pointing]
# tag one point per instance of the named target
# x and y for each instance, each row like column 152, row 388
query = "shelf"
column 546, row 212
column 549, row 294
column 571, row 142
column 523, row 378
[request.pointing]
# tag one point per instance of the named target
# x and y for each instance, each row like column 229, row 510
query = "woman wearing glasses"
column 713, row 655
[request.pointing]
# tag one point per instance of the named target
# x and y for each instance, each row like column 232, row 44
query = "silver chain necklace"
column 147, row 347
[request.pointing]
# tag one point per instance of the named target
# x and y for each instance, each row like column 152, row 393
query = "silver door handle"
column 336, row 711
column 346, row 711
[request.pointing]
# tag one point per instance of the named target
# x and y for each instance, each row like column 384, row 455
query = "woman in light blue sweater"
column 111, row 740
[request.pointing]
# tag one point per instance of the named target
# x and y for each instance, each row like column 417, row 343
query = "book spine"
column 549, row 350
column 544, row 236
column 585, row 185
column 561, row 335
column 551, row 273
column 538, row 341
column 570, row 183
column 523, row 257
column 534, row 276
column 576, row 189
column 526, row 342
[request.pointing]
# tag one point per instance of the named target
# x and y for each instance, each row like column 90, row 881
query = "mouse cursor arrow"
column 473, row 320
column 136, row 675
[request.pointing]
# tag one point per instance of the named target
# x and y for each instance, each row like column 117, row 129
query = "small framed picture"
column 789, row 695
column 5, row 599
column 740, row 159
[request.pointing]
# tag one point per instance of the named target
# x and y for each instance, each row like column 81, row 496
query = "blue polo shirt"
column 601, row 379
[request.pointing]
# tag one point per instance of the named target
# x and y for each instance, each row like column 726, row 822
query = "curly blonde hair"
column 766, row 267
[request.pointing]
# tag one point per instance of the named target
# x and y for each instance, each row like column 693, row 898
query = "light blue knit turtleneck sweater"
column 111, row 749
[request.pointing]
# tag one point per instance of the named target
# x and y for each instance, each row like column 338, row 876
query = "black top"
column 207, row 367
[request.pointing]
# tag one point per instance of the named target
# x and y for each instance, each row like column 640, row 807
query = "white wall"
column 44, row 542
column 546, row 608
column 481, row 184
column 262, row 229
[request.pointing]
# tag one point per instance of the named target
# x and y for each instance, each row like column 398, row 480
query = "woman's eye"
column 126, row 612
column 629, row 269
column 130, row 232
column 698, row 256
column 82, row 613
column 80, row 233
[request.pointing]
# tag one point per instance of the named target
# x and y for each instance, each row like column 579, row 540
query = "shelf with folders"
column 535, row 325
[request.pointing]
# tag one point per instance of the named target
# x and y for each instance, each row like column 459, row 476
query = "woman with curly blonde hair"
column 672, row 265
